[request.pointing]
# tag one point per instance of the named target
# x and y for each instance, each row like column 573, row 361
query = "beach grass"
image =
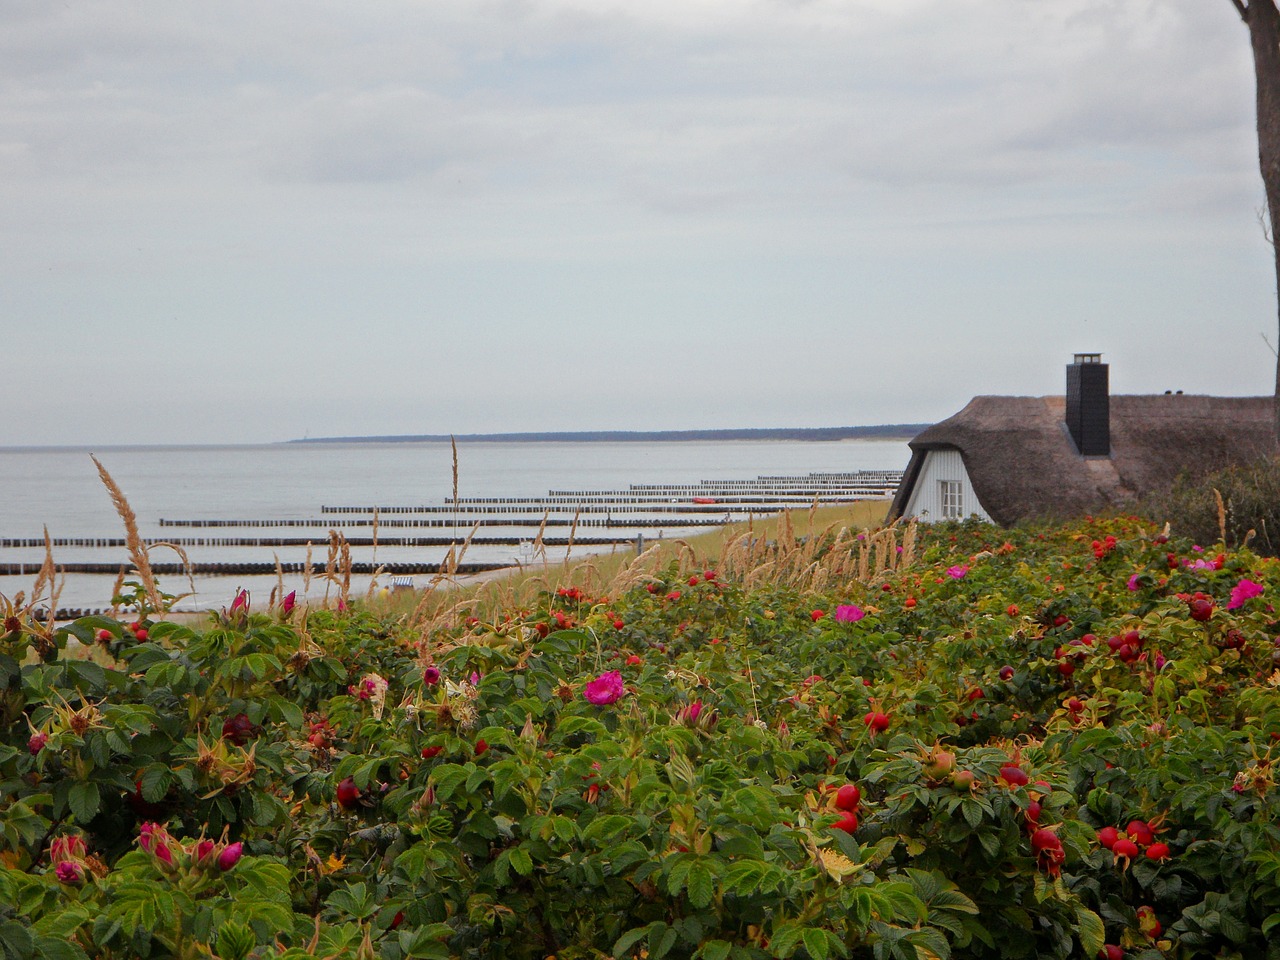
column 739, row 547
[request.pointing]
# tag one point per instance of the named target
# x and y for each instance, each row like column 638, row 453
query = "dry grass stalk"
column 908, row 555
column 331, row 564
column 344, row 568
column 686, row 557
column 449, row 563
column 47, row 572
column 453, row 444
column 277, row 592
column 1222, row 517
column 115, row 588
column 637, row 571
column 466, row 544
column 373, row 583
column 591, row 577
column 186, row 563
column 539, row 542
column 421, row 607
column 786, row 536
column 306, row 571
column 137, row 550
column 573, row 532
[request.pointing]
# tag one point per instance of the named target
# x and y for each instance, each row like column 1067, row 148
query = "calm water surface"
column 59, row 488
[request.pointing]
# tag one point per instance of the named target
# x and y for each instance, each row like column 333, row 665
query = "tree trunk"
column 1263, row 20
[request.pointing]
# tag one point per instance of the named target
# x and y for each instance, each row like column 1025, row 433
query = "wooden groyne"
column 250, row 569
column 477, row 541
column 445, row 523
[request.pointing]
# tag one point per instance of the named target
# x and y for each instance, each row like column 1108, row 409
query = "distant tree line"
column 885, row 431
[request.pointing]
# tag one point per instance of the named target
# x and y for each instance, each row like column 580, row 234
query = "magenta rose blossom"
column 604, row 689
column 1242, row 591
column 849, row 613
column 957, row 572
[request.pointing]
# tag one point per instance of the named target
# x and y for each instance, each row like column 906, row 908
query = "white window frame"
column 951, row 499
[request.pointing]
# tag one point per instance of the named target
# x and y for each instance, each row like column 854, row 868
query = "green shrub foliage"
column 1061, row 742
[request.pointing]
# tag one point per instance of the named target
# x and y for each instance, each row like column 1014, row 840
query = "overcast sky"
column 239, row 221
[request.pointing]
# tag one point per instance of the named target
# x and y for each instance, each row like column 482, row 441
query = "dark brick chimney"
column 1089, row 405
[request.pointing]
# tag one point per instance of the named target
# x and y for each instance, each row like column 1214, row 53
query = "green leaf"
column 447, row 777
column 521, row 862
column 701, row 885
column 785, row 939
column 84, row 800
column 815, row 942
column 287, row 712
column 659, row 947
column 235, row 940
column 16, row 939
column 1093, row 935
column 629, row 940
column 715, row 950
column 155, row 782
column 54, row 948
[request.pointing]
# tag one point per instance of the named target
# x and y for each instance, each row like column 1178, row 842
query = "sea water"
column 59, row 489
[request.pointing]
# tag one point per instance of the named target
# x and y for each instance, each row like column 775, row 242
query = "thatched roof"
column 1023, row 463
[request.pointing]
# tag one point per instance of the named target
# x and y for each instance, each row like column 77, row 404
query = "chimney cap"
column 1088, row 358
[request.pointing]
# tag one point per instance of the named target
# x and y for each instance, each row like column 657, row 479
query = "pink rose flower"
column 957, row 572
column 1133, row 582
column 1242, row 591
column 849, row 613
column 604, row 689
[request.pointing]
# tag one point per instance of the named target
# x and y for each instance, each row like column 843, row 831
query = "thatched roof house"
column 1009, row 459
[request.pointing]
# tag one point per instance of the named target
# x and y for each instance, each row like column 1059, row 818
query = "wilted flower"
column 69, row 847
column 849, row 613
column 957, row 572
column 154, row 838
column 1242, row 591
column 1134, row 582
column 37, row 742
column 431, row 675
column 69, row 872
column 695, row 715
column 604, row 689
column 374, row 689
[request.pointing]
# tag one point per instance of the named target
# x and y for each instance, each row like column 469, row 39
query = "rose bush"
column 1050, row 754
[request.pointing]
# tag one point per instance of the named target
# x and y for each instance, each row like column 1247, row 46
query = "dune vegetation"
column 804, row 740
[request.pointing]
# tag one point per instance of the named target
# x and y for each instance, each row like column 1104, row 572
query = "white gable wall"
column 927, row 497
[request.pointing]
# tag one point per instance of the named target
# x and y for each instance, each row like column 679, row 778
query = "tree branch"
column 1242, row 9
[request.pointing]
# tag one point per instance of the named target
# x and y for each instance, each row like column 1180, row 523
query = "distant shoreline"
column 888, row 431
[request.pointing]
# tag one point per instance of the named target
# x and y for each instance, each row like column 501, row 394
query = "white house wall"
column 926, row 498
